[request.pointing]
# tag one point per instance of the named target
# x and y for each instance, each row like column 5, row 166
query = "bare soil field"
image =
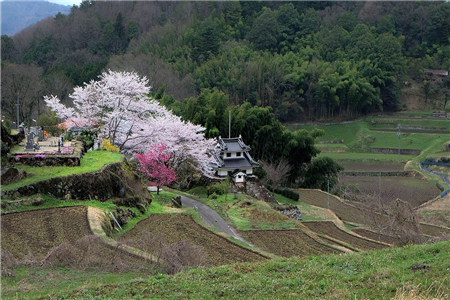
column 376, row 236
column 351, row 213
column 343, row 210
column 413, row 190
column 330, row 229
column 62, row 236
column 173, row 228
column 373, row 167
column 287, row 243
column 36, row 232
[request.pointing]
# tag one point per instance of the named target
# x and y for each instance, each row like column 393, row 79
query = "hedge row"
column 285, row 192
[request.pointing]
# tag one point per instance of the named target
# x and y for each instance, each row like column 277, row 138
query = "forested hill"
column 16, row 15
column 306, row 60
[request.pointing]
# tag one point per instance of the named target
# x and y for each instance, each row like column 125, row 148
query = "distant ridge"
column 17, row 15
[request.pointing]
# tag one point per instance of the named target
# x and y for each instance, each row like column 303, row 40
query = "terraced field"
column 36, row 232
column 343, row 210
column 376, row 236
column 413, row 190
column 62, row 236
column 353, row 214
column 330, row 229
column 287, row 243
column 171, row 228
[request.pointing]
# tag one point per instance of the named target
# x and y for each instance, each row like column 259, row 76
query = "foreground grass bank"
column 421, row 269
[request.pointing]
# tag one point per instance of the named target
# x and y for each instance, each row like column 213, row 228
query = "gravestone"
column 29, row 146
column 40, row 135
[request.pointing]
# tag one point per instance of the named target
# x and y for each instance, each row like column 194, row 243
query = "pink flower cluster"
column 66, row 150
column 27, row 155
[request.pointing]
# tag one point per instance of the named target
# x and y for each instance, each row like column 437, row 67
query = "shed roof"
column 436, row 72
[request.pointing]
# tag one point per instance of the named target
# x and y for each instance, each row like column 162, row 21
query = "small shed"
column 435, row 75
column 239, row 177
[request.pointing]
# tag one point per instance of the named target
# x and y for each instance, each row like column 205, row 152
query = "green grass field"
column 420, row 270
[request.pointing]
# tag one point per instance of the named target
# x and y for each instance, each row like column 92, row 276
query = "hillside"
column 17, row 15
column 308, row 61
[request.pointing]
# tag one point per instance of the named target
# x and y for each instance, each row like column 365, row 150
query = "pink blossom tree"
column 119, row 105
column 155, row 165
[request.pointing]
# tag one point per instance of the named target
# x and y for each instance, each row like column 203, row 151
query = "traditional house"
column 233, row 158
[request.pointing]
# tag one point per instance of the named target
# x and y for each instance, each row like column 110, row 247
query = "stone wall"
column 111, row 181
column 254, row 188
column 395, row 151
column 40, row 161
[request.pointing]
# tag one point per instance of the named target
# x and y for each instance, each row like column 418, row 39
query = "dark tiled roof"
column 236, row 163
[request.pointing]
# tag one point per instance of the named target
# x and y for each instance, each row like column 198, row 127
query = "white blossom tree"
column 119, row 105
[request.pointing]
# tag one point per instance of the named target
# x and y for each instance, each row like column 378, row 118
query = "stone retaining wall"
column 111, row 181
column 384, row 173
column 37, row 160
column 395, row 151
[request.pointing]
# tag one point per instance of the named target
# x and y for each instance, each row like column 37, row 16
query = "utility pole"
column 18, row 105
column 398, row 134
column 328, row 193
column 229, row 124
column 379, row 189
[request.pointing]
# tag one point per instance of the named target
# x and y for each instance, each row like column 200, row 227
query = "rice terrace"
column 226, row 150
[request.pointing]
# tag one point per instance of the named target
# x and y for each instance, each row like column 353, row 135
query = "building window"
column 228, row 154
column 238, row 153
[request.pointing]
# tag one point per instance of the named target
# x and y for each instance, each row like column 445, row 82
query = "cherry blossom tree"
column 119, row 105
column 155, row 165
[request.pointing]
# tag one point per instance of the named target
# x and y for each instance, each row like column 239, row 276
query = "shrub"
column 285, row 192
column 87, row 137
column 219, row 188
column 106, row 144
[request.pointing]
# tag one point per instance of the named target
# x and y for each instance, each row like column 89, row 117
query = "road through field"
column 211, row 217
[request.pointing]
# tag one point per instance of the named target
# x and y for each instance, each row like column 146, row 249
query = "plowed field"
column 410, row 189
column 343, row 210
column 178, row 227
column 373, row 167
column 286, row 243
column 330, row 229
column 375, row 236
column 36, row 232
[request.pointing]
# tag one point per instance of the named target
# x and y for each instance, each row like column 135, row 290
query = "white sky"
column 66, row 2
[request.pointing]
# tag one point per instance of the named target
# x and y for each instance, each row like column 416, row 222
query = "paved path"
column 211, row 217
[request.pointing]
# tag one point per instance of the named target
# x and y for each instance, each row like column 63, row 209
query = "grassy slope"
column 368, row 275
column 90, row 162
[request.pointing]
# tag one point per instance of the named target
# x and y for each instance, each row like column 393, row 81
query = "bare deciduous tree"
column 277, row 173
column 22, row 80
